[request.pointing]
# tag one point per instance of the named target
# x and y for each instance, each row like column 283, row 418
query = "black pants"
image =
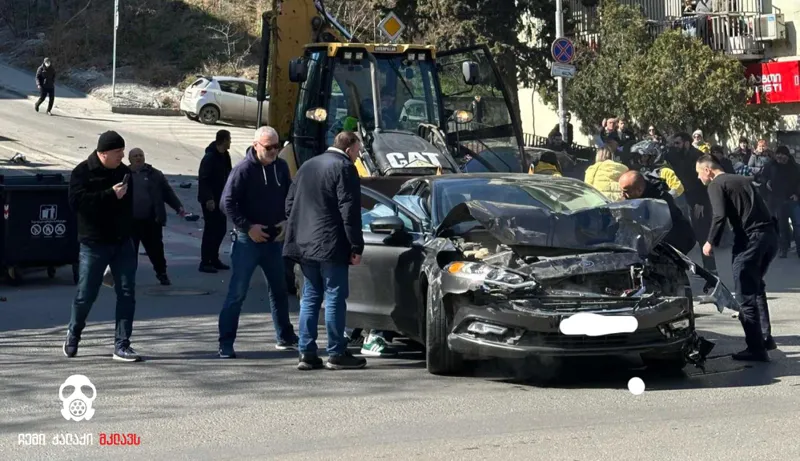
column 751, row 261
column 701, row 223
column 786, row 212
column 151, row 235
column 46, row 93
column 214, row 231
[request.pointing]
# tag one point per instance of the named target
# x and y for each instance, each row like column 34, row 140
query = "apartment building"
column 762, row 34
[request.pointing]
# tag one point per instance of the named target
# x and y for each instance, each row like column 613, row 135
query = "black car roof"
column 535, row 178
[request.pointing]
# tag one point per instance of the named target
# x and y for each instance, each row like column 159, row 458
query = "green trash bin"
column 39, row 229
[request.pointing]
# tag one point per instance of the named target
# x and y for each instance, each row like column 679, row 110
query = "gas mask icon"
column 77, row 406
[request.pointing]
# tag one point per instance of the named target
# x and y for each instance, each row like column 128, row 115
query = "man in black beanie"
column 101, row 194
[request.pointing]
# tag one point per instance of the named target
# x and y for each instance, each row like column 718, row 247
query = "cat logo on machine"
column 413, row 159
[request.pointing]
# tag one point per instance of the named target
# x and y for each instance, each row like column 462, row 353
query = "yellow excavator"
column 418, row 110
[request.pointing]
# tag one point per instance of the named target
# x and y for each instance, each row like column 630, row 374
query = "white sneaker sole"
column 123, row 359
column 370, row 353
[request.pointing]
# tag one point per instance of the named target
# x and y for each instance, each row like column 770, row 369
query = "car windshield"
column 406, row 92
column 558, row 196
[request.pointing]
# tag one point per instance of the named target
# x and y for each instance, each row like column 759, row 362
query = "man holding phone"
column 101, row 194
column 254, row 199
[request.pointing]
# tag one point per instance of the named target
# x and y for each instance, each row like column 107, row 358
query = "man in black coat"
column 324, row 236
column 635, row 185
column 214, row 170
column 46, row 83
column 101, row 194
column 149, row 213
column 683, row 158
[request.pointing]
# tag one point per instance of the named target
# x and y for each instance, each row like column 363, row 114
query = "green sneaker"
column 376, row 346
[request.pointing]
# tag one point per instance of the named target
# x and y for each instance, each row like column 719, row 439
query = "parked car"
column 489, row 265
column 211, row 99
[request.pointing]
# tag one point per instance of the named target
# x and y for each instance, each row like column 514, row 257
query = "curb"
column 14, row 92
column 145, row 111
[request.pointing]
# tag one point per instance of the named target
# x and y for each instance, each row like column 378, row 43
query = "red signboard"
column 774, row 82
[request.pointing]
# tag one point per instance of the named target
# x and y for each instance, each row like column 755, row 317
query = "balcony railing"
column 727, row 26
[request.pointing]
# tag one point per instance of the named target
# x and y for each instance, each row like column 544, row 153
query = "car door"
column 385, row 287
column 251, row 104
column 231, row 100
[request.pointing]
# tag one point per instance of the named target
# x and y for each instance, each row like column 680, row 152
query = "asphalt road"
column 184, row 403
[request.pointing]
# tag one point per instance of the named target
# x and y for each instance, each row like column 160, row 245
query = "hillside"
column 160, row 43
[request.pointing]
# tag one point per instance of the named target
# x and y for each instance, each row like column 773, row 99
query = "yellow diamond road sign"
column 391, row 26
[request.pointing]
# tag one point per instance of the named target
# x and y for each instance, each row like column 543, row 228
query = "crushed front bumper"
column 532, row 327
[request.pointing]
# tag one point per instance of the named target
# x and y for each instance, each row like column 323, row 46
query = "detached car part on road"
column 479, row 266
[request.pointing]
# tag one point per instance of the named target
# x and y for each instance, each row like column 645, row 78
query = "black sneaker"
column 345, row 361
column 208, row 268
column 70, row 347
column 226, row 352
column 287, row 345
column 769, row 344
column 36, row 107
column 309, row 362
column 164, row 279
column 749, row 356
column 220, row 266
column 126, row 354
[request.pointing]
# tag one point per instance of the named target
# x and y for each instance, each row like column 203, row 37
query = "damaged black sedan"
column 479, row 266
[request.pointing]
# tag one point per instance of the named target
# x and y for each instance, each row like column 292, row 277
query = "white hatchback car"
column 210, row 99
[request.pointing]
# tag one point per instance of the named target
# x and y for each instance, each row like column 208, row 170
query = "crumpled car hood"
column 631, row 225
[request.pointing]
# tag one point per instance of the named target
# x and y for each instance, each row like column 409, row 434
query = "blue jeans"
column 92, row 263
column 330, row 281
column 245, row 257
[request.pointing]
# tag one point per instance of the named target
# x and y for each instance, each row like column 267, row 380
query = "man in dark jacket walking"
column 782, row 177
column 324, row 236
column 101, row 194
column 635, row 185
column 214, row 170
column 46, row 83
column 149, row 212
column 255, row 200
column 683, row 158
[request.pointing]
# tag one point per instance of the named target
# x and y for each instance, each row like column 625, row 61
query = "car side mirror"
column 298, row 69
column 471, row 72
column 386, row 225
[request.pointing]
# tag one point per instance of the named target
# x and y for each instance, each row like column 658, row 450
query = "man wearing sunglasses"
column 254, row 199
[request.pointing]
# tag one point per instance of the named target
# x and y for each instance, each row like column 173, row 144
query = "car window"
column 229, row 87
column 199, row 83
column 372, row 209
column 251, row 91
column 558, row 196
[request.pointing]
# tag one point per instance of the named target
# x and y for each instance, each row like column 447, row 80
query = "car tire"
column 673, row 363
column 190, row 116
column 208, row 115
column 439, row 358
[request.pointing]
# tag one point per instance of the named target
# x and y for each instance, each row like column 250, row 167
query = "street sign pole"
column 114, row 58
column 562, row 119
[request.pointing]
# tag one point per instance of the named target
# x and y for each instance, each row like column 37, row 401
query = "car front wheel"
column 440, row 359
column 209, row 115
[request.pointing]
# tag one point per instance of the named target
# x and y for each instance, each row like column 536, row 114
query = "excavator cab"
column 417, row 111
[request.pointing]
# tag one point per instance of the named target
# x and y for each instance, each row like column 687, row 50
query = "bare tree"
column 355, row 15
column 231, row 36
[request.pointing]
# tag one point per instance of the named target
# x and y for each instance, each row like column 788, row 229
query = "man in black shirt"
column 734, row 198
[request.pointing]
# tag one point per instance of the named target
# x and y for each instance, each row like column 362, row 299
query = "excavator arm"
column 293, row 25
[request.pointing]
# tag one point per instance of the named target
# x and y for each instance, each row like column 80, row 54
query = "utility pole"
column 262, row 67
column 114, row 58
column 562, row 118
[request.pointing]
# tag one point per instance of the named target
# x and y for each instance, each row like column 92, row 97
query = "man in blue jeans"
column 101, row 194
column 254, row 199
column 324, row 235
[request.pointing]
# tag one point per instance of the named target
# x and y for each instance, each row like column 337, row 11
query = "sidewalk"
column 23, row 84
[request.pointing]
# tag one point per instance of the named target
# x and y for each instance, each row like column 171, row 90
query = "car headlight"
column 487, row 274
